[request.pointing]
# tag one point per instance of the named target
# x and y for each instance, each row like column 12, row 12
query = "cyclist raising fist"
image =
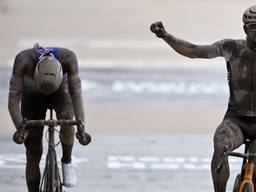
column 44, row 78
column 158, row 29
column 239, row 122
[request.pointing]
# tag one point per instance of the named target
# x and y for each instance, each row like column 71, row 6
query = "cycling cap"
column 48, row 74
column 249, row 15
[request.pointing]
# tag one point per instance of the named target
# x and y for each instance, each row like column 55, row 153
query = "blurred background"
column 152, row 112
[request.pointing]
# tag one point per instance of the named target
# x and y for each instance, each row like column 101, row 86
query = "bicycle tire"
column 44, row 181
column 51, row 173
column 237, row 183
column 248, row 187
column 43, row 185
column 57, row 177
column 51, row 181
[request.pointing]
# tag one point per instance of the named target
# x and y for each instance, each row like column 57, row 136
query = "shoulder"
column 227, row 43
column 231, row 45
column 68, row 60
column 23, row 58
column 66, row 54
column 25, row 55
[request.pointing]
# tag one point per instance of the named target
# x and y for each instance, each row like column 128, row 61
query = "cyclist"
column 239, row 121
column 45, row 78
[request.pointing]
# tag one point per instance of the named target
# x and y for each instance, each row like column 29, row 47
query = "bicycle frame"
column 53, row 177
column 246, row 183
column 51, row 181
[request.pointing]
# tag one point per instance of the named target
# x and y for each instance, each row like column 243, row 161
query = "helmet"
column 249, row 15
column 48, row 74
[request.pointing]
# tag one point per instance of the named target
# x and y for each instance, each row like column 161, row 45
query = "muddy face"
column 251, row 37
column 250, row 30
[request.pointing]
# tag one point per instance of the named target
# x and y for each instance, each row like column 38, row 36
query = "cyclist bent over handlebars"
column 44, row 78
column 239, row 122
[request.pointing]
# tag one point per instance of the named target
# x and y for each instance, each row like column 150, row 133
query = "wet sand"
column 136, row 120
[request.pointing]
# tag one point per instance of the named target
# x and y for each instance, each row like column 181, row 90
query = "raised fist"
column 158, row 29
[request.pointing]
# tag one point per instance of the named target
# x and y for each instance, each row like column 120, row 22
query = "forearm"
column 184, row 48
column 15, row 92
column 14, row 110
column 76, row 96
column 78, row 106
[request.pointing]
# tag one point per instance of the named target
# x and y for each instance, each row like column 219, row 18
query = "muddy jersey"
column 241, row 66
column 22, row 80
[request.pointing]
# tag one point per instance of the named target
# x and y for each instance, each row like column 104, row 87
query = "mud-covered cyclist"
column 239, row 122
column 44, row 78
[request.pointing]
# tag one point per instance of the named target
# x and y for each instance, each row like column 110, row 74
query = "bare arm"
column 183, row 47
column 186, row 48
column 75, row 88
column 15, row 92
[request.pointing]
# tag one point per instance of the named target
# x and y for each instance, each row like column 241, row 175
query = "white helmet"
column 48, row 74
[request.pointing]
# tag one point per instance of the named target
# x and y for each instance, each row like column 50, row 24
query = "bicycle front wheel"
column 47, row 183
column 248, row 187
column 51, row 181
column 54, row 181
column 51, row 173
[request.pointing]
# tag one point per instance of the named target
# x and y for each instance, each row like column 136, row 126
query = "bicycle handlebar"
column 51, row 122
column 251, row 156
column 83, row 137
column 242, row 155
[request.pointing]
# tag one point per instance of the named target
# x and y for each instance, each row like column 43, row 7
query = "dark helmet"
column 249, row 15
column 48, row 74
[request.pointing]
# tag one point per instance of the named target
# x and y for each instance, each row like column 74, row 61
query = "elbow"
column 11, row 106
column 13, row 103
column 196, row 57
column 74, row 91
column 75, row 94
column 74, row 86
column 194, row 52
column 191, row 55
column 191, row 52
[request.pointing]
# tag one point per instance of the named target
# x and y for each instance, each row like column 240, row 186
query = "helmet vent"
column 253, row 9
column 250, row 17
column 48, row 75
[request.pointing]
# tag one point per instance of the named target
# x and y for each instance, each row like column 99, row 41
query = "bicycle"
column 244, row 180
column 51, row 180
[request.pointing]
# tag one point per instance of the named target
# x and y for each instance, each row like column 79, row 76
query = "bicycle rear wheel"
column 248, row 187
column 237, row 183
